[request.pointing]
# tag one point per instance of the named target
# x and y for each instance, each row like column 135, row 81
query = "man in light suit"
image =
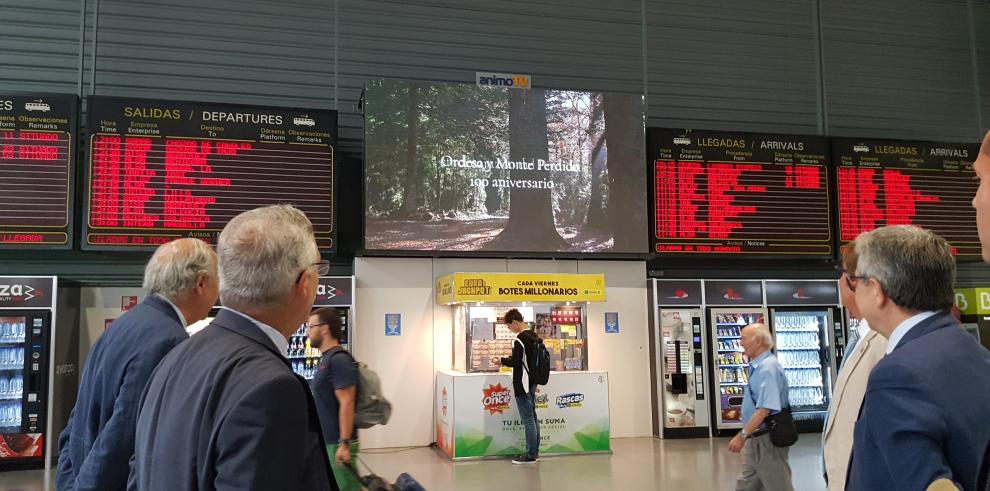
column 923, row 417
column 181, row 281
column 224, row 410
column 864, row 350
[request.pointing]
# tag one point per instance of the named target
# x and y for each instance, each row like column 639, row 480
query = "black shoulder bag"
column 783, row 431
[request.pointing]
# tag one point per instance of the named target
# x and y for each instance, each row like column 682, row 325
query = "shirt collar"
column 755, row 362
column 904, row 327
column 863, row 328
column 182, row 318
column 281, row 343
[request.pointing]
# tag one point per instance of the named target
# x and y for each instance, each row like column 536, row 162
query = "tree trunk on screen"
column 410, row 191
column 626, row 171
column 531, row 225
column 596, row 209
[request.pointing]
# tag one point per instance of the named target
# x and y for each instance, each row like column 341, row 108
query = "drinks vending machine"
column 27, row 312
column 805, row 317
column 336, row 292
column 680, row 358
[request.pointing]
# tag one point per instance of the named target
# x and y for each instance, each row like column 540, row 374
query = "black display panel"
column 465, row 170
column 892, row 182
column 162, row 170
column 717, row 193
column 37, row 165
column 802, row 292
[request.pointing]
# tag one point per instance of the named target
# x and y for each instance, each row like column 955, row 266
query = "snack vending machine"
column 730, row 367
column 27, row 314
column 804, row 318
column 333, row 291
column 734, row 304
column 680, row 344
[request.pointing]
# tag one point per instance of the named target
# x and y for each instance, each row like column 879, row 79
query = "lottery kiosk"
column 475, row 405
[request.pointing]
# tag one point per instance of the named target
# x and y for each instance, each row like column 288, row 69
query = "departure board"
column 891, row 182
column 740, row 193
column 37, row 155
column 161, row 170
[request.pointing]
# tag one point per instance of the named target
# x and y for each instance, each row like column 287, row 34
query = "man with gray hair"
column 765, row 466
column 181, row 281
column 920, row 422
column 225, row 410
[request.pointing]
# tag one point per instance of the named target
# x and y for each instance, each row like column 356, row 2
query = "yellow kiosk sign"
column 520, row 287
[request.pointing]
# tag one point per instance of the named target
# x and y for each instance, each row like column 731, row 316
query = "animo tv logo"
column 507, row 80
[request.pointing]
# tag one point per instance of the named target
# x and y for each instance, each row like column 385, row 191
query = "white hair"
column 175, row 267
column 761, row 332
column 261, row 254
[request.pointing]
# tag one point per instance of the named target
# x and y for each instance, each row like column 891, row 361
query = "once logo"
column 496, row 399
column 570, row 400
column 18, row 292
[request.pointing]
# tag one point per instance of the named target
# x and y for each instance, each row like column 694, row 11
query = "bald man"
column 982, row 199
column 96, row 446
column 765, row 466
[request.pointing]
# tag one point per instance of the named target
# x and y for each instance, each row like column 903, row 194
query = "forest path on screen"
column 466, row 235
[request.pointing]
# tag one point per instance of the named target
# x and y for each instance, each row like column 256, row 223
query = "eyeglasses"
column 324, row 268
column 310, row 326
column 851, row 279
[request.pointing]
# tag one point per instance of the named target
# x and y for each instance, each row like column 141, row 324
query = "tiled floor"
column 636, row 464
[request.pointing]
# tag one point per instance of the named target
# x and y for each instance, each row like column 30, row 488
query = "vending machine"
column 733, row 304
column 332, row 291
column 27, row 315
column 680, row 339
column 804, row 318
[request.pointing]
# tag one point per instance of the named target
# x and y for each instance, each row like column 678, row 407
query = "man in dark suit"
column 182, row 284
column 922, row 420
column 224, row 410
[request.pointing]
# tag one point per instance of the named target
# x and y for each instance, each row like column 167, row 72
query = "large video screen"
column 460, row 168
column 163, row 170
column 891, row 182
column 718, row 193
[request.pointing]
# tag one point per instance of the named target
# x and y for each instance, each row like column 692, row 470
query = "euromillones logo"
column 542, row 399
column 496, row 399
column 18, row 293
column 570, row 400
column 474, row 287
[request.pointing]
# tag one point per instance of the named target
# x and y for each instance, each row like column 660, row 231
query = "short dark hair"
column 513, row 315
column 330, row 317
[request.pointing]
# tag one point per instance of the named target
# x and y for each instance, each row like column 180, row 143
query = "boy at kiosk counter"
column 522, row 386
column 335, row 390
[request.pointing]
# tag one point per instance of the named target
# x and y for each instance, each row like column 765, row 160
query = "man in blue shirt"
column 765, row 466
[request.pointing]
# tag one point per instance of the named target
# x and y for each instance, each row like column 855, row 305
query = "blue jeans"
column 526, row 404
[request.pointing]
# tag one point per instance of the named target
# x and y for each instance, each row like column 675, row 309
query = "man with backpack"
column 335, row 386
column 525, row 357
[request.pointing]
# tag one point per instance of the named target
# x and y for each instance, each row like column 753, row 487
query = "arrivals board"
column 891, row 182
column 162, row 170
column 718, row 193
column 37, row 155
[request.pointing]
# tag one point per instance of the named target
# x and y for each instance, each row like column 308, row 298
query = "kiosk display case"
column 474, row 409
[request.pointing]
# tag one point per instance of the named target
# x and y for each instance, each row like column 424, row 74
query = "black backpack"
column 539, row 372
